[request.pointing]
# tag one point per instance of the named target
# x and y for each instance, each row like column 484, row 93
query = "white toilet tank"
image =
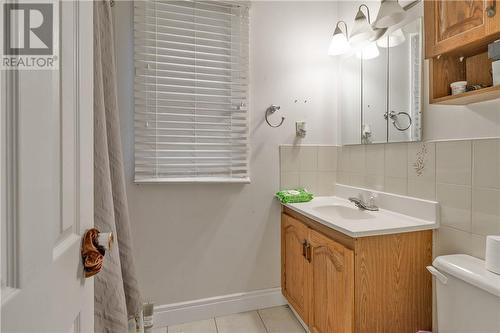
column 468, row 295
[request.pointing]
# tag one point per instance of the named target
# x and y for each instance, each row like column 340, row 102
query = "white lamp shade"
column 338, row 45
column 370, row 51
column 394, row 39
column 389, row 14
column 362, row 32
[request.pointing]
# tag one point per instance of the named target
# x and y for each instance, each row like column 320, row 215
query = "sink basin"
column 348, row 213
column 396, row 214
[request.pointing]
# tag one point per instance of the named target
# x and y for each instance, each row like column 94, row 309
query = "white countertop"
column 341, row 215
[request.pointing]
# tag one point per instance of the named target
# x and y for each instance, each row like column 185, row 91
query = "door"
column 451, row 24
column 47, row 203
column 331, row 284
column 294, row 263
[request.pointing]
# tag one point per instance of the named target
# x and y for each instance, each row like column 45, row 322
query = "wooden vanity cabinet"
column 451, row 25
column 339, row 284
column 294, row 237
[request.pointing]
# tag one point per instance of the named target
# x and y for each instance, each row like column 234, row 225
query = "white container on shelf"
column 458, row 87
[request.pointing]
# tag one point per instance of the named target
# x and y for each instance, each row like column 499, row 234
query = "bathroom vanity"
column 347, row 270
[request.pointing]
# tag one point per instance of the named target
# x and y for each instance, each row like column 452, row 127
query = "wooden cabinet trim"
column 329, row 232
column 467, row 39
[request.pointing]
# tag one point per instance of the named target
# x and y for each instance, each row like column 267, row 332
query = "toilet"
column 468, row 295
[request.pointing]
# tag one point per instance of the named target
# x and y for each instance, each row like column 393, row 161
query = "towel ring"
column 394, row 117
column 270, row 110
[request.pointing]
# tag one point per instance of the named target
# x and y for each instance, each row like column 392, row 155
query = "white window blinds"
column 191, row 91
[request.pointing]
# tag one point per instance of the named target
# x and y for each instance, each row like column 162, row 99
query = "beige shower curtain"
column 117, row 296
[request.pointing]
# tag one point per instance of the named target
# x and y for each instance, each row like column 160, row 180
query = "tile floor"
column 278, row 319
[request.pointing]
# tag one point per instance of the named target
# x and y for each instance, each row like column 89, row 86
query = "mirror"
column 380, row 97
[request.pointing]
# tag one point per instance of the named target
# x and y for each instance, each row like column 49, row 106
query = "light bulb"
column 368, row 52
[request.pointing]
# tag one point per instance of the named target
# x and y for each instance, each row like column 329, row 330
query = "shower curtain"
column 117, row 297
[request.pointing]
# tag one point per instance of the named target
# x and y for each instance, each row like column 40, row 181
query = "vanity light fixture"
column 370, row 51
column 362, row 32
column 389, row 14
column 339, row 43
column 394, row 39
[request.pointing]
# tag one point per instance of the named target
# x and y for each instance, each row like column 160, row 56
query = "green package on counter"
column 294, row 196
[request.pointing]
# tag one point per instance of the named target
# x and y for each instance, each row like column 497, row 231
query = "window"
column 191, row 91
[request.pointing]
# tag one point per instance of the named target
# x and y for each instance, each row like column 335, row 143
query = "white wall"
column 196, row 241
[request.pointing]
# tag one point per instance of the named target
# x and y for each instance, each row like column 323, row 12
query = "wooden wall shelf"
column 469, row 97
column 457, row 34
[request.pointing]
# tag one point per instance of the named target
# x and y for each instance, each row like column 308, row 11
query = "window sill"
column 192, row 181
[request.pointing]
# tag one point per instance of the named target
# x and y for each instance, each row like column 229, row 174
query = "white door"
column 47, row 184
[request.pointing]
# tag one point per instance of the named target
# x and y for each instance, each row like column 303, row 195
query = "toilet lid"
column 471, row 270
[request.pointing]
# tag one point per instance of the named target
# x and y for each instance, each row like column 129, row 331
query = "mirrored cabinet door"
column 405, row 81
column 350, row 100
column 374, row 95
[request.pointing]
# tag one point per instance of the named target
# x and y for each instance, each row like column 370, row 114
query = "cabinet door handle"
column 304, row 250
column 308, row 252
column 491, row 10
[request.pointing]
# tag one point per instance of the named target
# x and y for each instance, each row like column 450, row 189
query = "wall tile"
column 455, row 201
column 357, row 180
column 396, row 185
column 344, row 159
column 452, row 241
column 375, row 160
column 454, row 162
column 396, row 160
column 375, row 182
column 357, row 160
column 478, row 246
column 422, row 189
column 289, row 180
column 422, row 161
column 486, row 163
column 343, row 178
column 327, row 158
column 309, row 181
column 486, row 212
column 289, row 158
column 308, row 158
column 326, row 183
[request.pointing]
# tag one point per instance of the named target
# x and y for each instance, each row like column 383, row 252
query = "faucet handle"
column 371, row 200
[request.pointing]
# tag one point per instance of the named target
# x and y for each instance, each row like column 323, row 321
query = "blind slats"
column 191, row 90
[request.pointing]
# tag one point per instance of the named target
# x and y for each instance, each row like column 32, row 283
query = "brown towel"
column 92, row 253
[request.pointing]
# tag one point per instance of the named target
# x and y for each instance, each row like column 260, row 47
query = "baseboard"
column 178, row 313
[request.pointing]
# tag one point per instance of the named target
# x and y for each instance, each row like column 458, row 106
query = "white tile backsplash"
column 327, row 158
column 464, row 176
column 486, row 163
column 396, row 160
column 486, row 212
column 422, row 161
column 454, row 162
column 308, row 158
column 357, row 160
column 311, row 167
column 375, row 160
column 456, row 202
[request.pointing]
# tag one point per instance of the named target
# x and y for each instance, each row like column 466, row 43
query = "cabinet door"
column 453, row 24
column 294, row 236
column 331, row 285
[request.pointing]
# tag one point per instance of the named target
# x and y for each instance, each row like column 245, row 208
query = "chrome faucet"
column 363, row 205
